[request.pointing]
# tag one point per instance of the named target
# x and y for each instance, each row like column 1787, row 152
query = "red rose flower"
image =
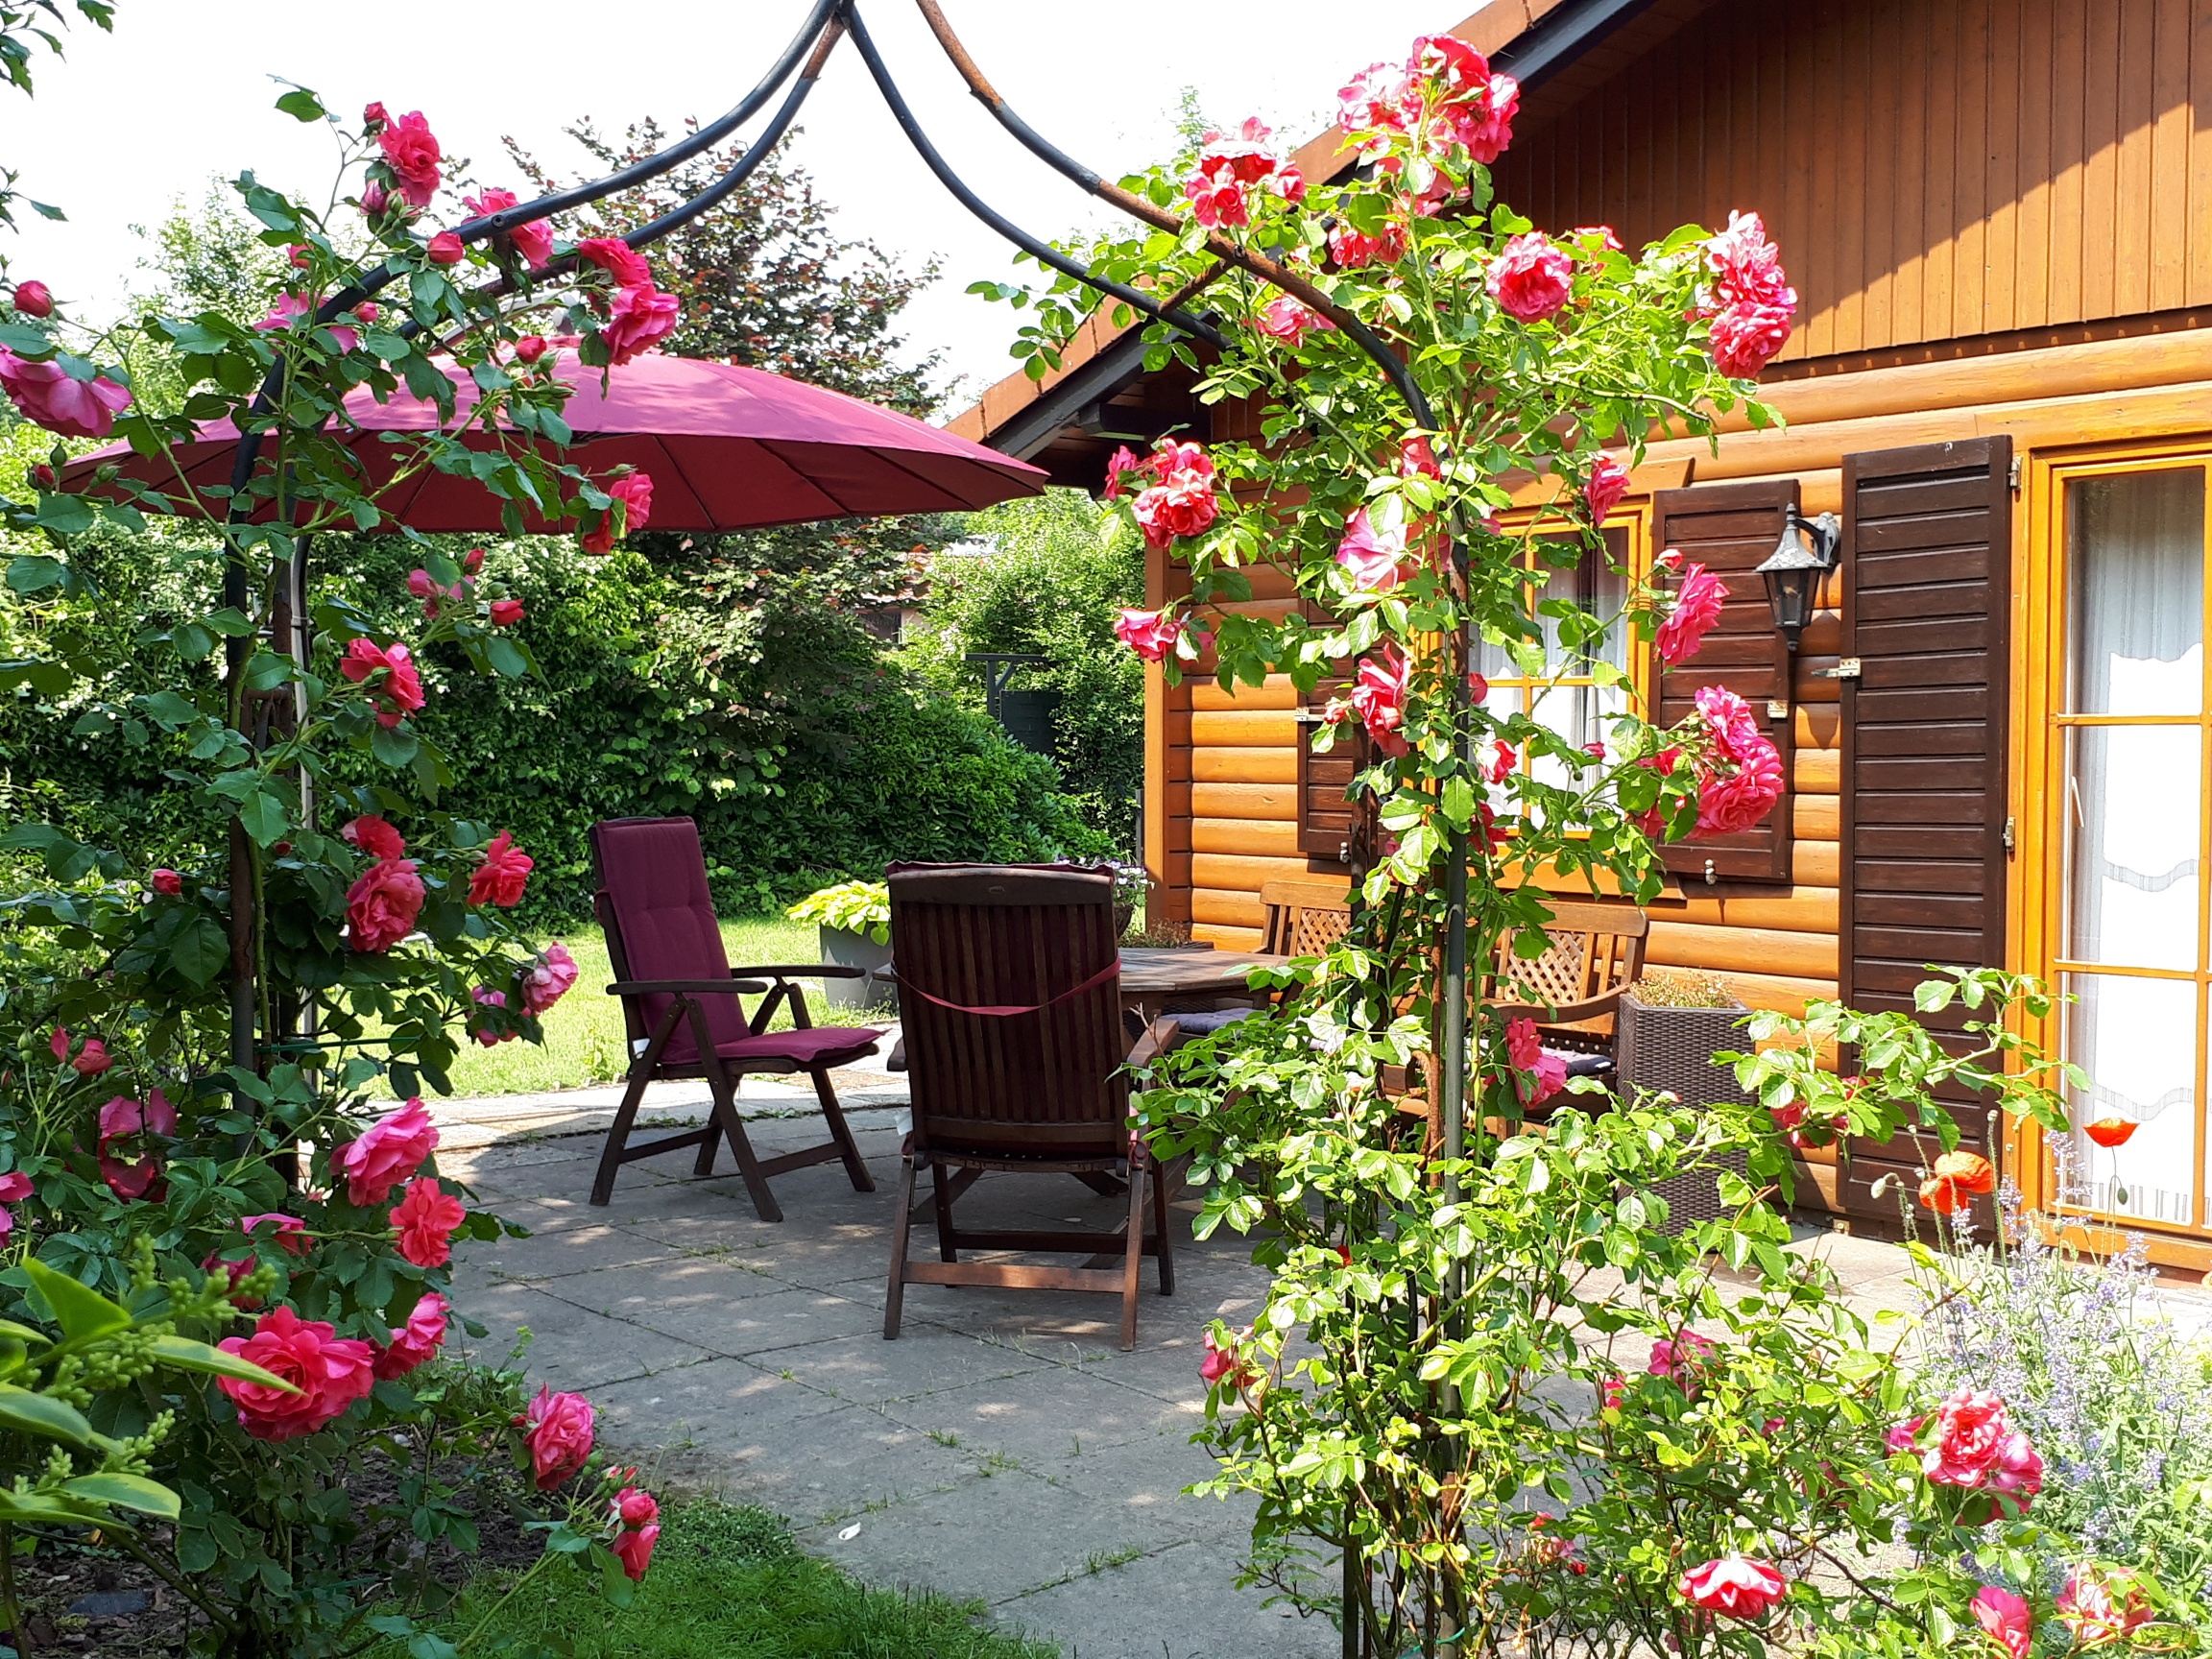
column 1741, row 784
column 329, row 1371
column 1373, row 558
column 34, row 299
column 1531, row 278
column 1538, row 1076
column 166, row 882
column 634, row 491
column 641, row 319
column 417, row 1341
column 411, row 153
column 425, row 1216
column 2004, row 1618
column 130, row 1159
column 385, row 1154
column 1607, row 483
column 618, row 259
column 374, row 118
column 534, row 240
column 446, row 249
column 506, row 612
column 500, row 878
column 637, row 1519
column 1378, row 698
column 1290, row 318
column 2100, row 1606
column 530, row 347
column 1417, row 460
column 1745, row 337
column 557, row 1430
column 375, row 838
column 399, row 692
column 382, row 905
column 1352, row 249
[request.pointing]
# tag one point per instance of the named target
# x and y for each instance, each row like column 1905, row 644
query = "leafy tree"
column 1058, row 574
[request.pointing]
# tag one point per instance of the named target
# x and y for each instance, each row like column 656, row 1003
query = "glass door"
column 2128, row 727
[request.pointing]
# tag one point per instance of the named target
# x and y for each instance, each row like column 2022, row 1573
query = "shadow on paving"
column 1004, row 1447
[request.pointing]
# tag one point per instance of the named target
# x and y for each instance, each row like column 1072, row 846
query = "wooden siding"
column 1930, row 169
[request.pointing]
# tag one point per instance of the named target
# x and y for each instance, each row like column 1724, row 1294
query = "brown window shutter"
column 1334, row 832
column 1927, row 565
column 1730, row 529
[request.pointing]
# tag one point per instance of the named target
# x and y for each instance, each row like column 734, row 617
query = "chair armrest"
column 685, row 987
column 1565, row 1014
column 1160, row 1037
column 805, row 971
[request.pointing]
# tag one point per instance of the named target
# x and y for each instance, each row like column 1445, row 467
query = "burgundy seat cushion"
column 818, row 1046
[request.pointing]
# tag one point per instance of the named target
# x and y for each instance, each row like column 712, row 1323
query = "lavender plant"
column 2094, row 1366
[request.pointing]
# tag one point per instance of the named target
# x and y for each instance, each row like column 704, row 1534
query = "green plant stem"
column 512, row 1589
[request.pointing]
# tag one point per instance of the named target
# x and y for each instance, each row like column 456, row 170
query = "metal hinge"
column 1847, row 669
column 2007, row 834
column 2013, row 474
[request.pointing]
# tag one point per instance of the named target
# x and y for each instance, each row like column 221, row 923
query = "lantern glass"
column 1792, row 571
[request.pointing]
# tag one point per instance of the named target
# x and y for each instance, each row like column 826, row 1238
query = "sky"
column 180, row 94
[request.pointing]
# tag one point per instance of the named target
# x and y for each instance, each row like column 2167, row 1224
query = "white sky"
column 127, row 124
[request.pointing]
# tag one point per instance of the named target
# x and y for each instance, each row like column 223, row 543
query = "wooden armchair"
column 1573, row 991
column 1303, row 918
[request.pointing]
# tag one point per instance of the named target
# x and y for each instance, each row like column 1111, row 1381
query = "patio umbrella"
column 728, row 448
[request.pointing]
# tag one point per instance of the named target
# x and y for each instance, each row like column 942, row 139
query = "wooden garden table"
column 1151, row 976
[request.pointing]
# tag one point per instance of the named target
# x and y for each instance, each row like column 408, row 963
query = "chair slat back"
column 1024, row 937
column 661, row 924
column 1596, row 951
column 1305, row 918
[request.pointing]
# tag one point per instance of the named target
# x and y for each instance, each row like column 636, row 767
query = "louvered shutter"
column 1928, row 540
column 1334, row 832
column 1730, row 529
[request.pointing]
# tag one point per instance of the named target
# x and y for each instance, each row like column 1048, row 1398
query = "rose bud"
column 530, row 347
column 506, row 612
column 376, row 118
column 34, row 299
column 374, row 199
column 446, row 249
column 368, row 310
column 167, row 882
column 44, row 476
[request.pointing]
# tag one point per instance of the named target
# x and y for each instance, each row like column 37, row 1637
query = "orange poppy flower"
column 2111, row 1131
column 1942, row 1196
column 1970, row 1170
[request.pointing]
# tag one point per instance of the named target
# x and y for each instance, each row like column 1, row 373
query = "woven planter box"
column 1673, row 1048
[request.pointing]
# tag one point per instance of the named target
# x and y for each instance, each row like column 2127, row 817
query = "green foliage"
column 1059, row 572
column 854, row 907
column 727, row 1580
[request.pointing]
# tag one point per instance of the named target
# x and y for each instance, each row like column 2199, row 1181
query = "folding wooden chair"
column 681, row 1008
column 1009, row 993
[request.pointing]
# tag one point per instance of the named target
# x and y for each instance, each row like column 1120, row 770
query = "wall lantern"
column 1807, row 551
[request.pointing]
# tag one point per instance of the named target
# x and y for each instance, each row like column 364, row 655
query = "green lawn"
column 584, row 1041
column 729, row 1584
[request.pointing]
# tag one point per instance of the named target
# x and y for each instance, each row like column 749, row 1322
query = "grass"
column 728, row 1582
column 584, row 1042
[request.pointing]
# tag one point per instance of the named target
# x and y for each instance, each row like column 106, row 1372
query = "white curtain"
column 2135, row 549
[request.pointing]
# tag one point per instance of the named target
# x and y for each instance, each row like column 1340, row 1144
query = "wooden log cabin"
column 1997, row 215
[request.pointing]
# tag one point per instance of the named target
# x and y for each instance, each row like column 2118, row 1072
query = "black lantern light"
column 1806, row 552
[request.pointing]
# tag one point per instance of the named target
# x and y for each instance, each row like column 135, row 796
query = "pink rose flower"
column 373, row 836
column 1612, row 1392
column 1748, row 268
column 1530, row 279
column 1217, row 199
column 50, row 397
column 641, row 319
column 1352, row 249
column 500, row 878
column 1731, row 801
column 1735, row 1585
column 1150, row 634
column 399, row 692
column 289, row 1231
column 2101, row 1606
column 1288, row 318
column 416, row 1341
column 446, row 249
column 1969, row 1428
column 1900, row 1436
column 1417, row 460
column 1698, row 601
column 1377, row 697
column 130, row 1159
column 1745, row 337
column 425, row 1216
column 534, row 240
column 14, row 1188
column 1538, row 1076
column 1487, row 127
column 634, row 491
column 34, row 299
column 2017, row 1470
column 618, row 259
column 557, row 1428
column 2004, row 1618
column 411, row 153
column 166, row 882
column 1181, row 504
column 374, row 199
column 1226, row 1365
column 549, row 978
column 487, row 998
column 1607, row 483
column 506, row 612
column 329, row 1371
column 1681, row 1359
column 1118, row 466
column 91, row 1059
column 385, row 1154
column 382, row 905
column 1371, row 557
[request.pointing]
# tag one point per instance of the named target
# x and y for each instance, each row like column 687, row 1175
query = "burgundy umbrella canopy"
column 728, row 448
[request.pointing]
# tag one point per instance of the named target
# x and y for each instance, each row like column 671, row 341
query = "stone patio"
column 1004, row 1449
